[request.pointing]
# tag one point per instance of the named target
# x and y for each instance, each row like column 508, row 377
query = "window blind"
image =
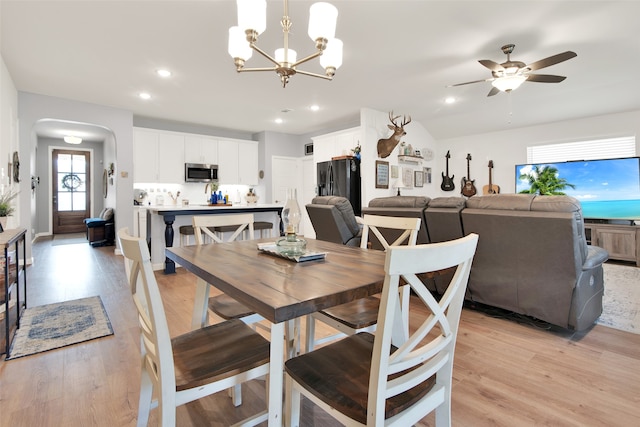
column 610, row 148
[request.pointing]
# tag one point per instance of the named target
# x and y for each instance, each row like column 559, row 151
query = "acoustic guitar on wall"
column 447, row 181
column 468, row 188
column 491, row 188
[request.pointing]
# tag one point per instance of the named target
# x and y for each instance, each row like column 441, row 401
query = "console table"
column 12, row 272
column 621, row 241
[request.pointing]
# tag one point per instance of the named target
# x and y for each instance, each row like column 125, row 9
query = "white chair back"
column 372, row 223
column 430, row 347
column 158, row 356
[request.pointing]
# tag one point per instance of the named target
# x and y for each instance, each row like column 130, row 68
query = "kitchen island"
column 162, row 219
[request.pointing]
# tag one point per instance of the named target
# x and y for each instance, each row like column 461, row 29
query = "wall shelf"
column 416, row 160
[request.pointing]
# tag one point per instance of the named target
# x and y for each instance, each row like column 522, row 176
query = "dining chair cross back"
column 361, row 315
column 366, row 380
column 190, row 366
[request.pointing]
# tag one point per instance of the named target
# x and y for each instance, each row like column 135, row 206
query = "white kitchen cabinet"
column 200, row 149
column 237, row 162
column 335, row 144
column 248, row 163
column 158, row 156
column 145, row 155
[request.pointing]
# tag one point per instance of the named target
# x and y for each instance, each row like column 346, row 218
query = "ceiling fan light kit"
column 510, row 75
column 252, row 22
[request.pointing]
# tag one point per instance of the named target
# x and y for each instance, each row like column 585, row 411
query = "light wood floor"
column 506, row 374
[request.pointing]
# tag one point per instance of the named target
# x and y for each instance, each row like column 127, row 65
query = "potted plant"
column 251, row 197
column 6, row 207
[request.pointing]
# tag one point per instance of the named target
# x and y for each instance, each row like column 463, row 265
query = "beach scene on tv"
column 606, row 189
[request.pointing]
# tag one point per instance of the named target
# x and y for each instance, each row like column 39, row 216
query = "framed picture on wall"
column 394, row 171
column 382, row 174
column 407, row 177
column 418, row 178
column 427, row 175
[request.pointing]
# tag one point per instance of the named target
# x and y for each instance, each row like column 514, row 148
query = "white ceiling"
column 398, row 55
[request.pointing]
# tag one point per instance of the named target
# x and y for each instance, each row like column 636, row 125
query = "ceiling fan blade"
column 493, row 91
column 492, row 65
column 468, row 83
column 552, row 60
column 544, row 78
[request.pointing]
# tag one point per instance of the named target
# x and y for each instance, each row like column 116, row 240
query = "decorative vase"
column 291, row 243
column 3, row 222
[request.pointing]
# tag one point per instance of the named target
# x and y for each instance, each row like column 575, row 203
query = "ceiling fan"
column 511, row 74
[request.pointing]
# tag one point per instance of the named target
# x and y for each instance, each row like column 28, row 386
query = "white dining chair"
column 193, row 365
column 364, row 379
column 362, row 315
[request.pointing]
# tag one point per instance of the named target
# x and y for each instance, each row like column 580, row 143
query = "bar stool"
column 185, row 232
column 258, row 225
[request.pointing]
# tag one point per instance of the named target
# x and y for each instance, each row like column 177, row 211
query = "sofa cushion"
column 555, row 204
column 399, row 202
column 107, row 214
column 448, row 202
column 511, row 202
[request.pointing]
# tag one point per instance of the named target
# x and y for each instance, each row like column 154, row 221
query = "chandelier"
column 252, row 17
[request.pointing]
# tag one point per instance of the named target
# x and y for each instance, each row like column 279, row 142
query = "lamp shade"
column 252, row 15
column 238, row 44
column 332, row 55
column 322, row 21
column 291, row 57
column 508, row 83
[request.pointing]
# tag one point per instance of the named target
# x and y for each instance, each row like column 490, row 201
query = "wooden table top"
column 281, row 289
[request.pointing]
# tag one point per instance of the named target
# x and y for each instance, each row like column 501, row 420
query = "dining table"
column 283, row 290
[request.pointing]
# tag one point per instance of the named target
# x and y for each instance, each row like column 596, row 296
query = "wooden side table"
column 12, row 277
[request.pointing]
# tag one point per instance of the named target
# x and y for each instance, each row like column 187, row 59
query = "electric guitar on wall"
column 491, row 188
column 447, row 182
column 468, row 189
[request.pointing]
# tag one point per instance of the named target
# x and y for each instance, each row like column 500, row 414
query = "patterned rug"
column 621, row 301
column 51, row 326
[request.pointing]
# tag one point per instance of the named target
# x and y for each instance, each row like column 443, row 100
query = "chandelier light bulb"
column 322, row 21
column 292, row 56
column 252, row 15
column 332, row 55
column 238, row 45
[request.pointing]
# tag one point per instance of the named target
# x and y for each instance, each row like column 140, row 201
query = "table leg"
column 169, row 265
column 276, row 370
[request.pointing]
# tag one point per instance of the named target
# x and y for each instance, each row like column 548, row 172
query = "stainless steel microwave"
column 197, row 172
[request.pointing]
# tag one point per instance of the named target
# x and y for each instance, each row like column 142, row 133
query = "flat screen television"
column 607, row 189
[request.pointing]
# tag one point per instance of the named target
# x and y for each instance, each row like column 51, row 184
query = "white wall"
column 9, row 143
column 33, row 108
column 509, row 148
column 374, row 127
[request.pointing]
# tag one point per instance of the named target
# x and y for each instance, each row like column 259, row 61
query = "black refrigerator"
column 341, row 178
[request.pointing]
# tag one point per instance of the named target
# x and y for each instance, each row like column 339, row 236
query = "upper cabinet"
column 200, row 149
column 335, row 144
column 237, row 162
column 158, row 156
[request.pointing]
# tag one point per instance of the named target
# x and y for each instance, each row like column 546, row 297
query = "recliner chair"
column 333, row 220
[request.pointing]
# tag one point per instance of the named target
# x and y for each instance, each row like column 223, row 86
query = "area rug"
column 52, row 326
column 69, row 239
column 621, row 301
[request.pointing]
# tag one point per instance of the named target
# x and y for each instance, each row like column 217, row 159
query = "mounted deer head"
column 386, row 146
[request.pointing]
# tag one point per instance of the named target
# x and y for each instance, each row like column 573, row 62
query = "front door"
column 71, row 190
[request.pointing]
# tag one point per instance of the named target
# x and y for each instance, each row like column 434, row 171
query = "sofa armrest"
column 595, row 257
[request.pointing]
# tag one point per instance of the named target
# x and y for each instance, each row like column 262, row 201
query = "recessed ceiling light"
column 163, row 73
column 70, row 139
column 278, row 120
column 145, row 95
column 450, row 100
column 314, row 107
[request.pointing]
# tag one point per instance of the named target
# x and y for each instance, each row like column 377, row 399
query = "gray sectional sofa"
column 532, row 256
